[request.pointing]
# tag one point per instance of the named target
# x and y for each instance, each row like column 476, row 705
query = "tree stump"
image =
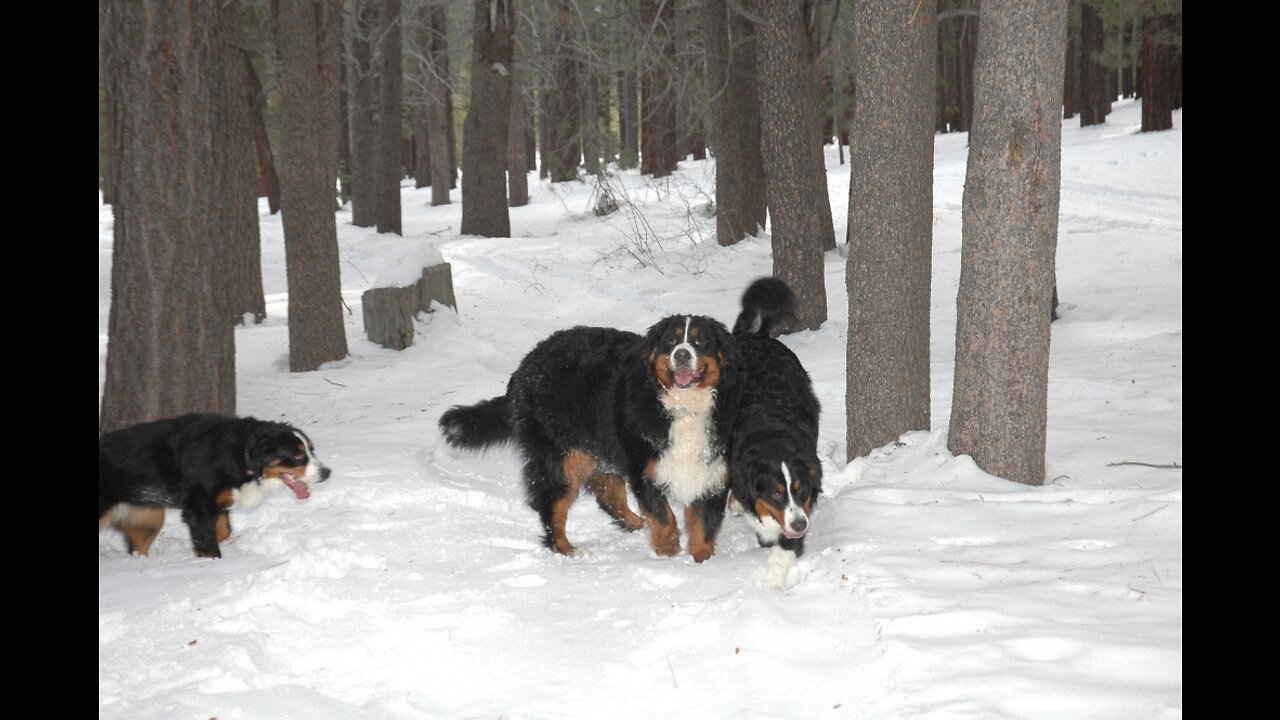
column 389, row 311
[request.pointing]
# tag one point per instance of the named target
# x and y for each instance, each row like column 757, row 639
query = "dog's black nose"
column 682, row 357
column 799, row 525
column 325, row 473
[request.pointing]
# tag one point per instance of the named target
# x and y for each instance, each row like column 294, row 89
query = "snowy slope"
column 412, row 585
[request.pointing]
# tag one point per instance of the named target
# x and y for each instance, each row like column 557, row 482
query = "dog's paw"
column 780, row 564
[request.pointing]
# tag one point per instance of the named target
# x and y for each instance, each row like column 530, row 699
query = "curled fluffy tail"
column 767, row 306
column 478, row 426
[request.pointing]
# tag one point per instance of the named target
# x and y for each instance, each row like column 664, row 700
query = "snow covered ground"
column 412, row 585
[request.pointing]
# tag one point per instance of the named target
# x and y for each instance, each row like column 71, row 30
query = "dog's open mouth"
column 685, row 377
column 792, row 535
column 298, row 486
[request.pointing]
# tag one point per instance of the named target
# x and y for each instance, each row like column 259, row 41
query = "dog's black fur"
column 203, row 464
column 774, row 469
column 597, row 407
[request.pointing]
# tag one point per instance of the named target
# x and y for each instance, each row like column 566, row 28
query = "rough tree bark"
column 439, row 103
column 1157, row 68
column 564, row 110
column 1011, row 193
column 657, row 91
column 517, row 161
column 362, row 98
column 241, row 261
column 1094, row 103
column 628, row 118
column 387, row 167
column 171, row 348
column 484, row 135
column 795, row 173
column 741, row 208
column 307, row 42
column 889, row 265
column 268, row 180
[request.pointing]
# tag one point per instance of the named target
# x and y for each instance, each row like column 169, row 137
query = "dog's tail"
column 767, row 306
column 479, row 426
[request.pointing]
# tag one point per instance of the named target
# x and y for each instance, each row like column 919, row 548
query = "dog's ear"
column 646, row 347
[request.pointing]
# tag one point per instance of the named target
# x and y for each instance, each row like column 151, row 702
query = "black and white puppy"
column 775, row 474
column 202, row 464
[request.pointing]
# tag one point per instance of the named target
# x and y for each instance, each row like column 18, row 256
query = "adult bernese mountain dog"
column 775, row 475
column 595, row 408
column 203, row 464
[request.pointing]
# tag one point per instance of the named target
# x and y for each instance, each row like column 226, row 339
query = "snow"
column 412, row 584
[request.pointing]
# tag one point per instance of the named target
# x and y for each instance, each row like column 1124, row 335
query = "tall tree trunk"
column 628, row 118
column 966, row 59
column 795, row 173
column 363, row 113
column 1069, row 71
column 242, row 260
column 1157, row 69
column 268, row 180
column 590, row 119
column 564, row 106
column 1094, row 103
column 657, row 91
column 387, row 163
column 344, row 132
column 439, row 103
column 484, row 136
column 421, row 70
column 1011, row 193
column 735, row 112
column 1127, row 78
column 308, row 42
column 171, row 347
column 517, row 162
column 889, row 265
column 530, row 140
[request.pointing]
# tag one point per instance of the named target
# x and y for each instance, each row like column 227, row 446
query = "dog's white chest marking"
column 252, row 494
column 690, row 468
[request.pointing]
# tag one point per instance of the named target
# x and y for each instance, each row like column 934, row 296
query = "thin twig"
column 334, row 383
column 1147, row 515
column 672, row 668
column 1170, row 466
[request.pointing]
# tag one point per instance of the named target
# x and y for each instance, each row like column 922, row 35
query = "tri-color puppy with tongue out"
column 203, row 464
column 595, row 408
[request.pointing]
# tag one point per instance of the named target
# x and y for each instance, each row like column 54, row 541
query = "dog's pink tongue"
column 684, row 377
column 299, row 487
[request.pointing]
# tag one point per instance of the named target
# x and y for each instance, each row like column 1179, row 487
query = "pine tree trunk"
column 657, row 92
column 564, row 109
column 1157, row 70
column 1069, row 73
column 629, row 119
column 889, row 265
column 344, row 133
column 1011, row 194
column 268, row 180
column 795, row 173
column 517, row 162
column 484, row 173
column 387, row 164
column 242, row 260
column 421, row 69
column 362, row 114
column 1127, row 78
column 590, row 119
column 1094, row 104
column 171, row 347
column 741, row 209
column 439, row 104
column 308, row 43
